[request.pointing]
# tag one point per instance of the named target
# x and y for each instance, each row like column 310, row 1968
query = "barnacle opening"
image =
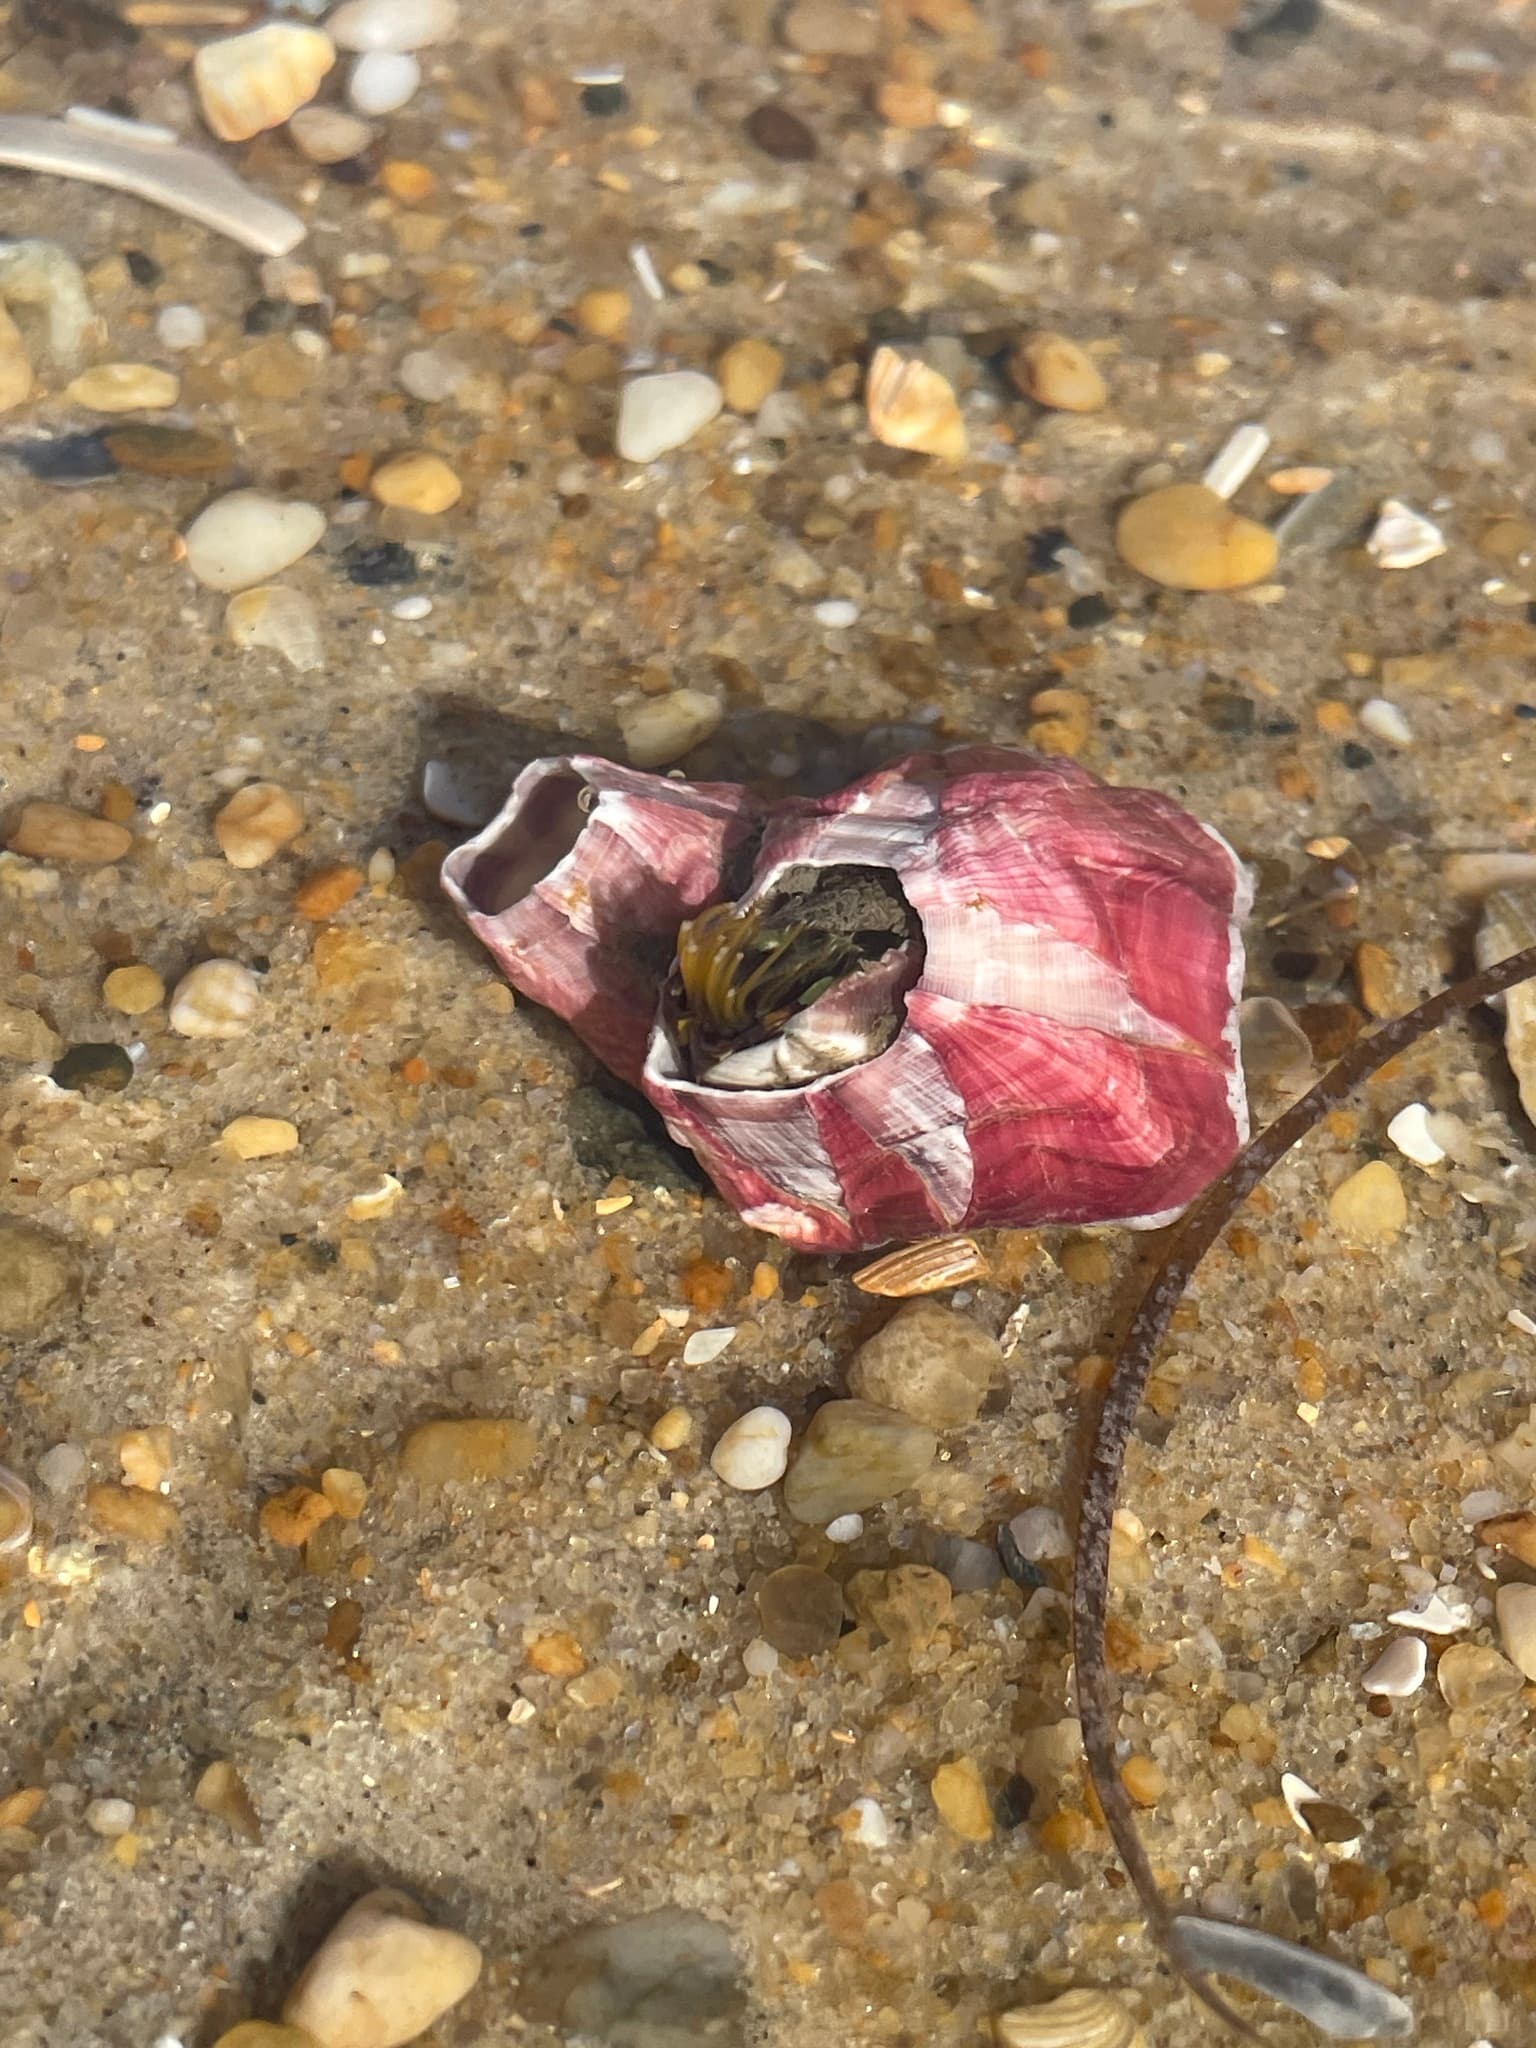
column 806, row 979
column 534, row 843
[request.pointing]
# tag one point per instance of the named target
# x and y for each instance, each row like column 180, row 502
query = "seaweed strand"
column 1191, row 1239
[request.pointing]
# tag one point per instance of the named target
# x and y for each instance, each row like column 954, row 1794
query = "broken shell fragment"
column 1341, row 2001
column 913, row 406
column 281, row 620
column 927, row 1268
column 255, row 81
column 1077, row 2019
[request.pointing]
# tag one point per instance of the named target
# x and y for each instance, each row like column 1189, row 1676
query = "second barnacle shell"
column 912, row 406
column 250, row 82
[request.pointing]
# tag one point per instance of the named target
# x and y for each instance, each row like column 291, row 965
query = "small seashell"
column 1403, row 538
column 1077, row 2019
column 913, row 406
column 1342, row 2001
column 279, row 619
column 926, row 1268
column 15, row 1512
column 250, row 82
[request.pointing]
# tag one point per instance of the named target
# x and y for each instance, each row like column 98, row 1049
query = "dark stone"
column 142, row 267
column 1293, row 965
column 93, row 1066
column 1013, row 1804
column 606, row 99
column 1093, row 610
column 68, row 459
column 371, row 563
column 780, row 134
column 1044, row 547
column 1353, row 755
column 1229, row 711
column 1269, row 31
column 266, row 316
column 1022, row 1570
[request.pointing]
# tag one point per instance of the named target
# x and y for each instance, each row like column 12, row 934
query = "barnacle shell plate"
column 254, row 81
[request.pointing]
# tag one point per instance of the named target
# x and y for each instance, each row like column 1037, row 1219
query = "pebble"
column 1403, row 538
column 221, row 1791
column 844, row 1529
column 1187, row 538
column 124, row 387
column 128, row 1512
column 910, row 405
column 1384, row 721
column 604, row 312
column 930, row 1362
column 659, row 730
column 259, row 1137
column 168, row 451
column 854, row 1455
column 908, row 1604
column 281, row 620
column 429, row 374
column 110, row 1817
column 753, row 1452
column 252, row 82
column 759, row 1659
column 873, row 1830
column 56, row 832
column 64, row 458
column 257, row 823
column 245, row 537
column 411, row 609
column 671, row 1430
column 320, row 895
column 416, row 482
column 1341, row 2000
column 1399, row 1671
column 1472, row 1676
column 24, row 1035
column 969, row 1566
column 1437, row 1613
column 1084, row 2018
column 180, row 327
column 1054, row 371
column 1516, row 1610
column 392, row 24
column 1039, row 1534
column 63, row 1468
column 472, row 1448
column 215, row 999
column 1410, row 1132
column 838, row 613
column 382, row 82
column 663, row 411
column 290, row 1518
column 961, row 1797
column 382, row 1976
column 830, row 28
column 1369, row 1208
column 39, row 1279
column 664, row 1979
column 329, row 135
column 705, row 1346
column 750, row 371
column 1514, row 1531
column 800, row 1611
column 780, row 134
column 96, row 1064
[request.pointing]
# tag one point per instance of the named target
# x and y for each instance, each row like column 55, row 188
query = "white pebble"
column 1435, row 1614
column 1483, row 1504
column 110, row 1816
column 1399, row 1670
column 392, row 24
column 705, row 1346
column 1403, row 538
column 1409, row 1131
column 328, row 135
column 754, row 1451
column 1383, row 720
column 418, row 607
column 844, row 1529
column 181, row 327
column 217, row 999
column 836, row 612
column 873, row 1830
column 446, row 796
column 761, row 1659
column 659, row 730
column 245, row 537
column 382, row 82
column 1040, row 1533
column 663, row 411
column 62, row 1469
column 428, row 374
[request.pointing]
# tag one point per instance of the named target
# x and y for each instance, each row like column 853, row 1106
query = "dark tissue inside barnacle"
column 532, row 845
column 743, row 973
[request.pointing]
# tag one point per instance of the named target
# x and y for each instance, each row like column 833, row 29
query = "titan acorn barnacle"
column 974, row 988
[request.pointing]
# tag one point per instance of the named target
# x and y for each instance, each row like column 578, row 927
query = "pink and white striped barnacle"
column 975, row 988
column 579, row 883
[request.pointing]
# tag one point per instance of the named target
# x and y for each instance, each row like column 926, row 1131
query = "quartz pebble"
column 110, row 1817
column 256, row 824
column 852, row 1456
column 671, row 1430
column 961, row 1797
column 382, row 82
column 245, row 537
column 62, row 1468
column 839, row 613
column 1385, row 721
column 800, row 1611
column 705, row 1346
column 1059, row 373
column 131, row 1514
column 871, row 1829
column 1039, row 1533
column 56, row 832
column 1187, row 538
column 329, row 135
column 216, row 999
column 180, row 327
column 281, row 620
column 1369, row 1208
column 124, row 387
column 753, row 1452
column 1399, row 1671
column 416, row 482
column 392, row 24
column 660, row 412
column 259, row 1137
column 759, row 1659
column 382, row 1976
column 659, row 730
column 472, row 1449
column 39, row 1279
column 221, row 1791
column 430, row 375
column 749, row 372
column 844, row 1529
column 1472, row 1676
column 930, row 1362
column 1411, row 1133
column 1516, row 1609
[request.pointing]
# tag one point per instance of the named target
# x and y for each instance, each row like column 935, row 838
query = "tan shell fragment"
column 913, row 406
column 1077, row 2019
column 926, row 1268
column 255, row 81
column 279, row 619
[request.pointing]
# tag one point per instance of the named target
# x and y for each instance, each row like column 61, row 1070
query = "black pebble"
column 1354, row 755
column 370, row 563
column 1295, row 966
column 142, row 268
column 1267, row 30
column 608, row 98
column 1092, row 610
column 1013, row 1804
column 1525, row 711
column 265, row 316
column 1229, row 711
column 93, row 1066
column 1018, row 1567
column 781, row 134
column 70, row 459
column 1045, row 546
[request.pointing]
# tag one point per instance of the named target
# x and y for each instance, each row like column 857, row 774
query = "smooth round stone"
column 1370, row 1207
column 845, row 1529
column 1055, row 371
column 1186, row 538
column 659, row 730
column 381, row 1976
column 110, row 1817
column 216, row 999
column 259, row 1137
column 961, row 1797
column 105, row 1066
column 969, row 1566
column 852, row 1456
column 661, row 412
column 416, row 481
column 930, row 1362
column 753, row 1452
column 246, row 537
column 124, row 387
column 800, row 1611
column 329, row 135
column 1472, row 1676
column 392, row 24
column 1516, row 1609
column 759, row 1659
column 38, row 1278
column 428, row 374
column 180, row 327
column 1399, row 1671
column 749, row 372
column 382, row 82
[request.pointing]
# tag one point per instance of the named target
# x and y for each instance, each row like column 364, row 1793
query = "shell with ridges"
column 1077, row 2019
column 926, row 1268
column 251, row 82
column 913, row 406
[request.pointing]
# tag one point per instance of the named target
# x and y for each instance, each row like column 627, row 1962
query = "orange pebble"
column 323, row 894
